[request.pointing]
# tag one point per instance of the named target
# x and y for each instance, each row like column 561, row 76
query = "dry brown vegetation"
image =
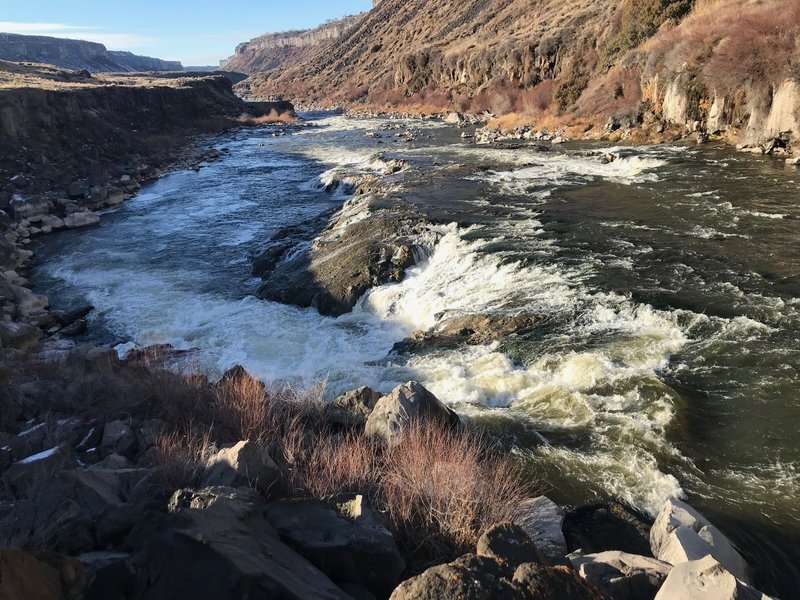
column 439, row 489
column 731, row 45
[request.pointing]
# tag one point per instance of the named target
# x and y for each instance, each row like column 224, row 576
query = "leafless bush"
column 443, row 489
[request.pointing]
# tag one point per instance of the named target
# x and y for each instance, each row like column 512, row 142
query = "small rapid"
column 661, row 352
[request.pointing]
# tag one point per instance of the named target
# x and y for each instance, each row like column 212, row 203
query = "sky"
column 196, row 32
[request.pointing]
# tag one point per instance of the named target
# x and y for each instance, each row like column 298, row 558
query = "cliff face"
column 280, row 49
column 60, row 126
column 77, row 54
column 728, row 66
column 407, row 47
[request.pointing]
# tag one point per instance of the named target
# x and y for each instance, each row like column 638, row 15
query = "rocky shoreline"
column 125, row 479
column 111, row 498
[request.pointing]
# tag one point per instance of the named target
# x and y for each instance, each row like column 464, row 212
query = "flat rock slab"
column 622, row 576
column 542, row 520
column 706, row 579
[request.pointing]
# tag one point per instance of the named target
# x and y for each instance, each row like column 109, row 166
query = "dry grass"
column 439, row 489
column 732, row 45
column 271, row 118
column 443, row 489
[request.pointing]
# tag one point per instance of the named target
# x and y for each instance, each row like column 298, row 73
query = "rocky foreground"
column 126, row 480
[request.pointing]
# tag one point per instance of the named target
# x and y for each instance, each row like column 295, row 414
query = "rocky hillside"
column 72, row 143
column 274, row 50
column 77, row 54
column 714, row 66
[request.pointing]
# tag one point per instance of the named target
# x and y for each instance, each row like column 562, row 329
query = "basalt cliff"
column 721, row 66
column 78, row 54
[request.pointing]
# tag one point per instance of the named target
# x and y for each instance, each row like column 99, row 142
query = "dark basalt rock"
column 608, row 526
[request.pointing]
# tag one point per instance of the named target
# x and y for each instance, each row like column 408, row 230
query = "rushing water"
column 665, row 358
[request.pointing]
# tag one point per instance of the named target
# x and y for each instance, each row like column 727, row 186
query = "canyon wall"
column 274, row 50
column 719, row 66
column 77, row 55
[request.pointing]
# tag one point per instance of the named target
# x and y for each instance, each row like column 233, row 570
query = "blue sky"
column 198, row 32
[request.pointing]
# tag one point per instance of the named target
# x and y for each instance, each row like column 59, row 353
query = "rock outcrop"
column 406, row 404
column 706, row 578
column 637, row 69
column 681, row 534
column 273, row 50
column 369, row 242
column 77, row 55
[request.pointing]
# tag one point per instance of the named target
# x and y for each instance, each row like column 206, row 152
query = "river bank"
column 253, row 159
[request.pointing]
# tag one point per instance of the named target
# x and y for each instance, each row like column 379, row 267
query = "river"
column 665, row 289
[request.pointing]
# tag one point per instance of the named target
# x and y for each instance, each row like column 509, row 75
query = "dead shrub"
column 536, row 100
column 179, row 457
column 271, row 118
column 443, row 489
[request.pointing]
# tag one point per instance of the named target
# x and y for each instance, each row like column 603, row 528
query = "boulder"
column 148, row 432
column 110, row 575
column 77, row 189
column 23, row 577
column 23, row 208
column 622, row 576
column 706, row 579
column 24, row 472
column 542, row 520
column 118, row 438
column 482, row 578
column 455, row 118
column 20, row 336
column 115, row 198
column 353, row 408
column 607, row 526
column 509, row 544
column 469, row 577
column 406, row 404
column 65, row 511
column 537, row 582
column 93, row 359
column 81, row 219
column 216, row 544
column 244, row 464
column 681, row 534
column 346, row 541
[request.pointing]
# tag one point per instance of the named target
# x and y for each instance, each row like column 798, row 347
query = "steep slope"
column 648, row 68
column 403, row 48
column 77, row 54
column 273, row 50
